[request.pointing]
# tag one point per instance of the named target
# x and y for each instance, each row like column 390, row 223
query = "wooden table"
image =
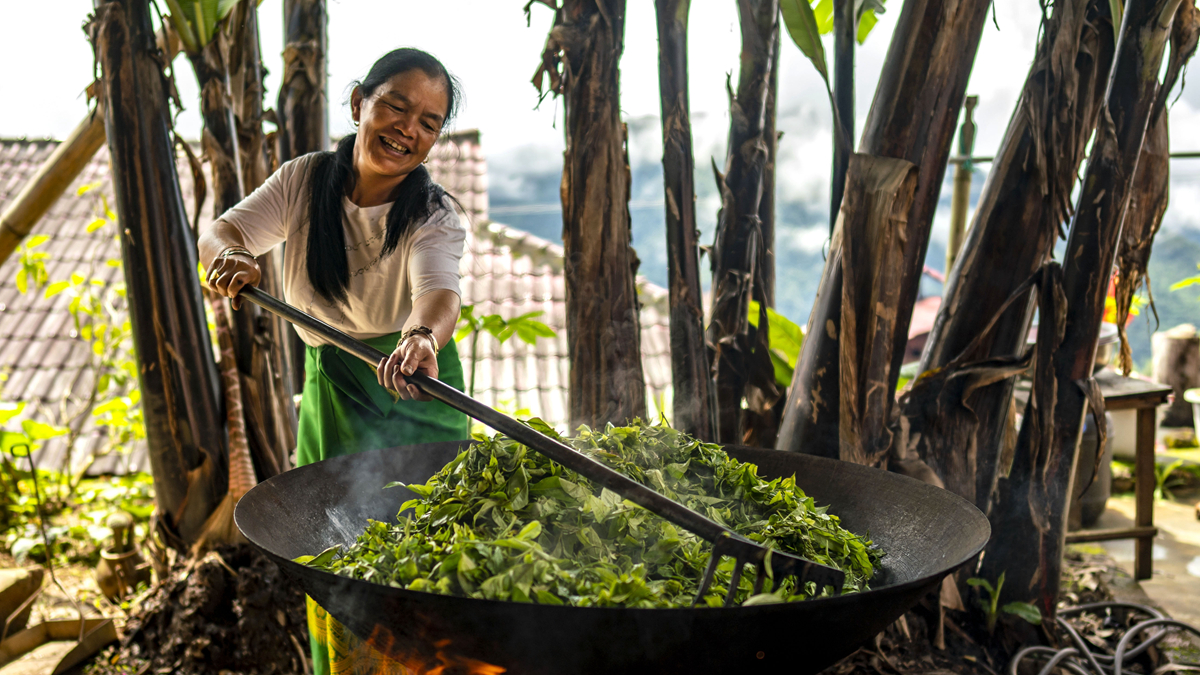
column 1129, row 393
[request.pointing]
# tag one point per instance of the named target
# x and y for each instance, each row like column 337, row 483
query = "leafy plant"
column 807, row 20
column 1165, row 478
column 526, row 327
column 502, row 522
column 989, row 604
column 786, row 338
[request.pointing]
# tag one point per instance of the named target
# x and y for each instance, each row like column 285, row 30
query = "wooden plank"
column 1144, row 473
column 1082, row 536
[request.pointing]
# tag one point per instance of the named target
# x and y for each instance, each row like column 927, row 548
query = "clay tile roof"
column 505, row 271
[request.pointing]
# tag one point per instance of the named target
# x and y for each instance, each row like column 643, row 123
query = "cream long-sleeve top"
column 382, row 288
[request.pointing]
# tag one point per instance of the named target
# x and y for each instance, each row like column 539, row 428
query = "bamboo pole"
column 59, row 170
column 960, row 200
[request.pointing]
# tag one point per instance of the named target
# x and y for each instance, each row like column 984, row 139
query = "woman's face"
column 398, row 123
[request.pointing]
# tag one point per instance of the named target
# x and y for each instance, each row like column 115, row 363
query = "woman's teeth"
column 394, row 145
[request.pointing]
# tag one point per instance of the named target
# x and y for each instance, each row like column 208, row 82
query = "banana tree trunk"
column 1021, row 212
column 1032, row 506
column 267, row 388
column 913, row 117
column 301, row 115
column 1148, row 202
column 179, row 384
column 689, row 358
column 741, row 361
column 606, row 383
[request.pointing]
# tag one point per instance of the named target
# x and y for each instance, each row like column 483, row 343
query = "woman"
column 373, row 247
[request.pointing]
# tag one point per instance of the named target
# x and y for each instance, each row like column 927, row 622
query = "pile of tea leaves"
column 503, row 522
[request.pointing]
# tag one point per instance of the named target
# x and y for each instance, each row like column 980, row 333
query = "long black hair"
column 416, row 197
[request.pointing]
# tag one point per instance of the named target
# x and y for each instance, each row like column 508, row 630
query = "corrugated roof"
column 505, row 271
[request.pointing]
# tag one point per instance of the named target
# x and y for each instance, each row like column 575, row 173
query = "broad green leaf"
column 22, row 280
column 823, row 13
column 84, row 189
column 113, row 405
column 40, row 431
column 10, row 440
column 37, row 240
column 96, row 224
column 1025, row 611
column 801, row 25
column 10, row 410
column 56, row 288
column 980, row 583
column 865, row 24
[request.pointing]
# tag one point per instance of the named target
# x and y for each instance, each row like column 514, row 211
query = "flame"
column 412, row 662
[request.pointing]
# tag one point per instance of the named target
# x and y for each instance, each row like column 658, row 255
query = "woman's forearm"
column 438, row 311
column 217, row 238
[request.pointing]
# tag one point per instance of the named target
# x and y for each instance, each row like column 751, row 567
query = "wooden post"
column 960, row 200
column 1144, row 508
column 47, row 184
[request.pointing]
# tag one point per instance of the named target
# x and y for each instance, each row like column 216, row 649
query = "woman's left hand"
column 412, row 354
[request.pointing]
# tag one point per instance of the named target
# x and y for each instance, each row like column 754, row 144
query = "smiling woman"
column 373, row 248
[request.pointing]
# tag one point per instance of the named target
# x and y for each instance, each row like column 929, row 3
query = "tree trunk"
column 689, row 358
column 219, row 138
column 301, row 114
column 1032, row 508
column 1148, row 202
column 879, row 193
column 267, row 386
column 1021, row 211
column 741, row 357
column 913, row 117
column 178, row 380
column 606, row 382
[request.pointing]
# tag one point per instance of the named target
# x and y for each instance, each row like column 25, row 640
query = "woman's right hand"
column 229, row 274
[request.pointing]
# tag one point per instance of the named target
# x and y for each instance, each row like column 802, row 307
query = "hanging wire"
column 1084, row 658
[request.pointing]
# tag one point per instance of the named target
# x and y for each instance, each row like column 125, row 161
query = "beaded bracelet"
column 420, row 330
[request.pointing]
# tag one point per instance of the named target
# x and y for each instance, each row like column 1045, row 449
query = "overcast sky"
column 487, row 44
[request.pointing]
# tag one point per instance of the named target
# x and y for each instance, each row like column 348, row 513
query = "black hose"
column 1081, row 659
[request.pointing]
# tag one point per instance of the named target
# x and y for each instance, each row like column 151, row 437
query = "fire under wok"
column 925, row 532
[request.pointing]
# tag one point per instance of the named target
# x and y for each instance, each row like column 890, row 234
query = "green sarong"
column 344, row 411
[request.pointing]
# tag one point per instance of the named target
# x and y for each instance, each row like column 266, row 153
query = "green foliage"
column 503, row 522
column 76, row 528
column 807, row 20
column 196, row 20
column 1167, row 477
column 113, row 400
column 786, row 338
column 990, row 604
column 525, row 326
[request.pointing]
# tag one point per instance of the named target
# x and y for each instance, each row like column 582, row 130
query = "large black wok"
column 926, row 532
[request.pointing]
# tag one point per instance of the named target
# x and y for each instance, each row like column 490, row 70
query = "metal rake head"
column 781, row 565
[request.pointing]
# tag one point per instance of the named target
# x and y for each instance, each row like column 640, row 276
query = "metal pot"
column 925, row 532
